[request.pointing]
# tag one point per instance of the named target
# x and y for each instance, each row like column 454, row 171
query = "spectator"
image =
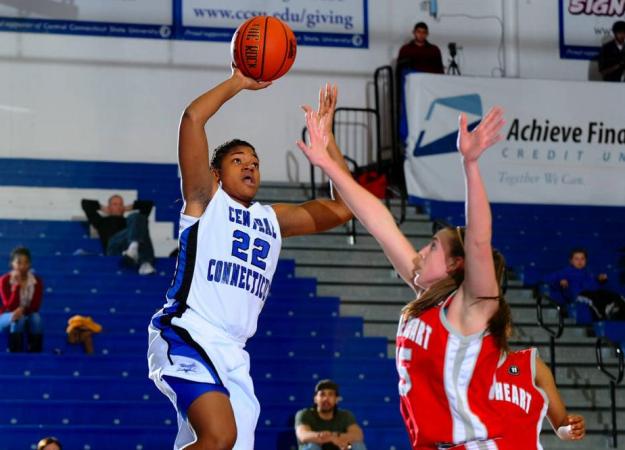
column 49, row 443
column 612, row 55
column 419, row 54
column 575, row 283
column 128, row 237
column 21, row 293
column 325, row 426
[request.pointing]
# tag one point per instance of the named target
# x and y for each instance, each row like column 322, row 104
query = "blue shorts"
column 187, row 391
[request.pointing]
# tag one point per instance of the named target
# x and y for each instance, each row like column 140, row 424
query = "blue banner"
column 340, row 23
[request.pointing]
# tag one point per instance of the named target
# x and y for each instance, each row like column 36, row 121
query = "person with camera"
column 612, row 54
column 419, row 54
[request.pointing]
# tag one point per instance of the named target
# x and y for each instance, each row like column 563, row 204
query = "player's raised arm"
column 198, row 183
column 320, row 214
column 374, row 216
column 480, row 280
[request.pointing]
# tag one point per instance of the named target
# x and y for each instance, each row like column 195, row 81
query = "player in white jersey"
column 228, row 252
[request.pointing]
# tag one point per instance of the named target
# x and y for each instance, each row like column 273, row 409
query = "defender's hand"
column 472, row 144
column 317, row 150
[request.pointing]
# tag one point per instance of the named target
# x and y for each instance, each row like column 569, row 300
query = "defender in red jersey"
column 449, row 338
column 445, row 379
column 524, row 392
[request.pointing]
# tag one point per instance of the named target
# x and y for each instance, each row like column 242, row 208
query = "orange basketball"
column 263, row 48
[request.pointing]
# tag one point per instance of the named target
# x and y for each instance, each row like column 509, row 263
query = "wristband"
column 564, row 432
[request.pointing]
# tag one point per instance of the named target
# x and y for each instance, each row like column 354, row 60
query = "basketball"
column 263, row 48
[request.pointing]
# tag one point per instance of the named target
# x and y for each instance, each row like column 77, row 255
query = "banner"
column 336, row 23
column 563, row 142
column 587, row 24
column 121, row 18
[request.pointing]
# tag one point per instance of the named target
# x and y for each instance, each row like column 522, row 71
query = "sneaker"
column 146, row 269
column 132, row 252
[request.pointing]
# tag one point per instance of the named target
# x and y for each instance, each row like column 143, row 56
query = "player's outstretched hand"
column 247, row 82
column 578, row 426
column 328, row 96
column 471, row 144
column 316, row 151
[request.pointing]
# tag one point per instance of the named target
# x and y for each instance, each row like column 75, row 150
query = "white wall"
column 118, row 99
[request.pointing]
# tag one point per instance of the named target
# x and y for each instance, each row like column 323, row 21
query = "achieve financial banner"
column 563, row 143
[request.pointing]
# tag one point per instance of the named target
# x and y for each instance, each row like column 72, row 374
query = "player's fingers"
column 494, row 126
column 303, row 147
column 462, row 123
column 321, row 101
column 306, row 108
column 312, row 122
column 493, row 116
column 263, row 84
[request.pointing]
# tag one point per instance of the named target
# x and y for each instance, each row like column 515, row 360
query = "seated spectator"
column 419, row 54
column 326, row 427
column 123, row 236
column 575, row 283
column 49, row 443
column 21, row 293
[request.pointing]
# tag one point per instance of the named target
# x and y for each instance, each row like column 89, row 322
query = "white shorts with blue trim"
column 175, row 350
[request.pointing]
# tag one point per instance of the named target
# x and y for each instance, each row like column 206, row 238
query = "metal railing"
column 541, row 299
column 391, row 149
column 385, row 101
column 615, row 379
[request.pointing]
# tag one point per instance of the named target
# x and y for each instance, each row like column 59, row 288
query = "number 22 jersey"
column 227, row 259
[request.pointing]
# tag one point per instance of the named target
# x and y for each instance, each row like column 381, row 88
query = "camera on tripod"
column 453, row 68
column 453, row 49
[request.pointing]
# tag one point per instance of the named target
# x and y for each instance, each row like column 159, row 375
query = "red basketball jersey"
column 519, row 400
column 444, row 381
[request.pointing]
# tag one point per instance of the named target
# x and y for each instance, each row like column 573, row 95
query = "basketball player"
column 449, row 339
column 229, row 249
column 524, row 391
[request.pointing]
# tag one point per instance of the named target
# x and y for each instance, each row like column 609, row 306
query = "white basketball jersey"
column 226, row 262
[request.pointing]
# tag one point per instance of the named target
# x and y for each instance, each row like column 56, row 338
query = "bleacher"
column 105, row 400
column 305, row 332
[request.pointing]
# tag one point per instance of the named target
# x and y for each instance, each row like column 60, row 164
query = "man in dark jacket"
column 612, row 55
column 126, row 236
column 419, row 54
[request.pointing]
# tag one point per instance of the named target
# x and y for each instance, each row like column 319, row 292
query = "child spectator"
column 21, row 292
column 576, row 283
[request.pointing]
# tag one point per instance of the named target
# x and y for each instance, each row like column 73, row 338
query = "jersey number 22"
column 241, row 249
